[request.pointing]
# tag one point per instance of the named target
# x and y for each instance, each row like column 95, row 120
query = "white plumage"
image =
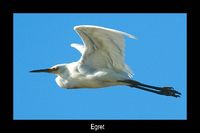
column 103, row 48
column 102, row 60
column 101, row 63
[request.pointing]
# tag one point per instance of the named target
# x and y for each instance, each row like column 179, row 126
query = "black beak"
column 42, row 70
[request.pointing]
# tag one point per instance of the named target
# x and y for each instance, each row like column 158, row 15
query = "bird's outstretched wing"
column 103, row 48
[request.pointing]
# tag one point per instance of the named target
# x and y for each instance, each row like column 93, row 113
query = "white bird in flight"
column 101, row 64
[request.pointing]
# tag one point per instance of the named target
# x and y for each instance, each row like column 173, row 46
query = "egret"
column 101, row 64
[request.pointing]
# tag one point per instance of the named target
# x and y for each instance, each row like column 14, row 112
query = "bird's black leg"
column 167, row 91
column 145, row 89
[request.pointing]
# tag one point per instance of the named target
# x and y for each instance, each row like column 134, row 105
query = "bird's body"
column 90, row 79
column 101, row 64
column 102, row 61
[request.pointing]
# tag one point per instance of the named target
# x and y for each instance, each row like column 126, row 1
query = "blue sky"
column 158, row 58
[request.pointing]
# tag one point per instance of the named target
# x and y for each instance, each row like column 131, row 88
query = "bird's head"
column 57, row 69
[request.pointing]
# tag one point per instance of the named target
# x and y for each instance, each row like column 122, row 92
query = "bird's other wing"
column 103, row 48
column 79, row 47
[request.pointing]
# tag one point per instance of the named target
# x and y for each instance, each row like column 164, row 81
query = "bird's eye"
column 55, row 68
